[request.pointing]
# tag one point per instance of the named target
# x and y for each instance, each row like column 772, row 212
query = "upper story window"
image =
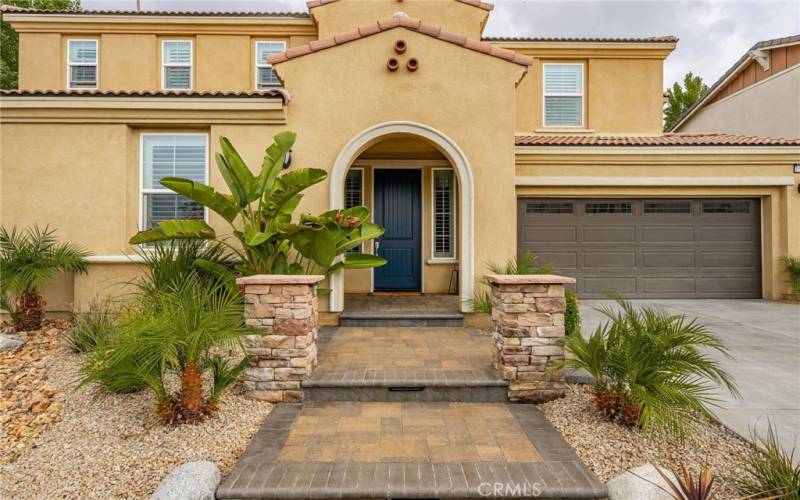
column 176, row 59
column 265, row 77
column 82, row 64
column 563, row 95
column 171, row 155
column 444, row 207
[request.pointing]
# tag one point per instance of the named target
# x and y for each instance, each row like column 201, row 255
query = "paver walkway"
column 362, row 445
column 763, row 338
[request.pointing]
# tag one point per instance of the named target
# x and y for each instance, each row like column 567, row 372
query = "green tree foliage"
column 9, row 39
column 680, row 98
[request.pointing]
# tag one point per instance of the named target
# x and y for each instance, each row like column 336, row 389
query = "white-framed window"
column 563, row 94
column 443, row 208
column 170, row 155
column 354, row 192
column 265, row 76
column 176, row 64
column 82, row 64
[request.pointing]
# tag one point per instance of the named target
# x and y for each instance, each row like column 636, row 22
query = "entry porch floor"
column 401, row 309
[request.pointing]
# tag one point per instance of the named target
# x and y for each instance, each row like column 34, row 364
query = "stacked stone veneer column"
column 285, row 308
column 528, row 315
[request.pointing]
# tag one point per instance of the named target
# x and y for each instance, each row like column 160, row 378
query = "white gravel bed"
column 609, row 449
column 115, row 448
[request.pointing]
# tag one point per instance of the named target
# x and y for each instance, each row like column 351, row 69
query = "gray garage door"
column 648, row 248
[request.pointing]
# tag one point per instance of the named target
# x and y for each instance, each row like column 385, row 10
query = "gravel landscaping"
column 609, row 449
column 114, row 447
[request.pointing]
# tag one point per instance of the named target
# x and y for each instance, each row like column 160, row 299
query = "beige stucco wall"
column 450, row 15
column 769, row 108
column 41, row 65
column 137, row 70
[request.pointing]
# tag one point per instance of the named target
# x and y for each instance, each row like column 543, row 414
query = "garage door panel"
column 609, row 234
column 667, row 259
column 650, row 248
column 670, row 234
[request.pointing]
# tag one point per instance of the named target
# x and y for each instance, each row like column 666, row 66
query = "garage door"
column 648, row 248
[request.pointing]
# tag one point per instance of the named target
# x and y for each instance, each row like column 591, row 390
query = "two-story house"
column 467, row 149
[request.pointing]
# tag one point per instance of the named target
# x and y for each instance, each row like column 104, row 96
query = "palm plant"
column 769, row 470
column 259, row 212
column 792, row 266
column 176, row 332
column 686, row 486
column 651, row 369
column 481, row 300
column 28, row 259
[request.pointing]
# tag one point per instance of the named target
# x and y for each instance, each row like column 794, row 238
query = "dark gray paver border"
column 560, row 475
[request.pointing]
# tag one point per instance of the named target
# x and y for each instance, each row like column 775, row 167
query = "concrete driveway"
column 763, row 338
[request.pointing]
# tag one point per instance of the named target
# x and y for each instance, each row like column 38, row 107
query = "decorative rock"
column 190, row 481
column 637, row 484
column 8, row 342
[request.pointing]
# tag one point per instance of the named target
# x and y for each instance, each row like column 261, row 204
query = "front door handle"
column 377, row 246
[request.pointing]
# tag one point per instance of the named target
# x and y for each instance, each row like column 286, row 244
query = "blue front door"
column 397, row 207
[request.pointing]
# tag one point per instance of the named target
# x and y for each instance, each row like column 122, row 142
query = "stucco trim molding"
column 466, row 215
column 116, row 259
column 653, row 181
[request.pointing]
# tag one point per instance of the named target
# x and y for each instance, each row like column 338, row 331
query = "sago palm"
column 651, row 368
column 28, row 259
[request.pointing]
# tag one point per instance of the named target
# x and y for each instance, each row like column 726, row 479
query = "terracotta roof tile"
column 10, row 9
column 400, row 19
column 276, row 92
column 650, row 39
column 666, row 139
column 475, row 3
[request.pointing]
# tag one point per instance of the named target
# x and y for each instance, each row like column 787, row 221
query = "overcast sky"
column 713, row 33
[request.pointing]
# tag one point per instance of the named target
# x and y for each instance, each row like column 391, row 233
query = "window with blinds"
column 82, row 64
column 563, row 95
column 176, row 58
column 444, row 201
column 354, row 193
column 265, row 76
column 167, row 155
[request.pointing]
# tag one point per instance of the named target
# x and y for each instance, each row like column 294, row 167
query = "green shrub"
column 481, row 300
column 791, row 265
column 91, row 328
column 651, row 369
column 176, row 332
column 572, row 316
column 769, row 470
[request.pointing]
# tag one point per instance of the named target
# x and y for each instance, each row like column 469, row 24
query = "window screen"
column 265, row 76
column 563, row 95
column 171, row 156
column 82, row 62
column 177, row 60
column 443, row 214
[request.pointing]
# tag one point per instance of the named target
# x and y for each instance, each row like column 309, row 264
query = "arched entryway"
column 460, row 165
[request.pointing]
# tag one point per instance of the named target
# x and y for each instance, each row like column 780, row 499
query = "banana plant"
column 260, row 209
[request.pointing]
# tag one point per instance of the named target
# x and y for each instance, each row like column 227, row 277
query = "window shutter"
column 443, row 214
column 563, row 95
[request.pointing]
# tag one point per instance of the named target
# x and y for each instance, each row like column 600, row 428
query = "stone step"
column 424, row 385
column 323, row 450
column 401, row 318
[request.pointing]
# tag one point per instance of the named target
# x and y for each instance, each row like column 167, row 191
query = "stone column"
column 528, row 315
column 285, row 308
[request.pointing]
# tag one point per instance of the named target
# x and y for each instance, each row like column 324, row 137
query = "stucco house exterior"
column 758, row 95
column 467, row 149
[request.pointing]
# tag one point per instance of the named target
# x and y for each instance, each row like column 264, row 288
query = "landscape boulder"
column 8, row 342
column 637, row 484
column 190, row 481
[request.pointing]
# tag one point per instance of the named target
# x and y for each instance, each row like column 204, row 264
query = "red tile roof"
column 276, row 92
column 649, row 39
column 401, row 20
column 476, row 3
column 11, row 9
column 667, row 139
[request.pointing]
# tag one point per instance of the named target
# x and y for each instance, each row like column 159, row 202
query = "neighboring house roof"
column 11, row 9
column 650, row 39
column 474, row 3
column 401, row 20
column 733, row 71
column 667, row 139
column 276, row 92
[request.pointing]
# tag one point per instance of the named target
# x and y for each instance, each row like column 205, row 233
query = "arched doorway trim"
column 460, row 164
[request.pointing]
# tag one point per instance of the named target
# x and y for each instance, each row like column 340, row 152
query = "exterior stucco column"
column 285, row 308
column 528, row 315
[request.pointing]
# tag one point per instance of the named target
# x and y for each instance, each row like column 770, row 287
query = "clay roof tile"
column 666, row 139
